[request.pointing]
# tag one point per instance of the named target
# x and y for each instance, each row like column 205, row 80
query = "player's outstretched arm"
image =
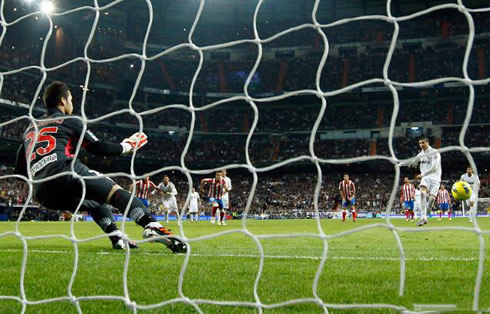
column 101, row 148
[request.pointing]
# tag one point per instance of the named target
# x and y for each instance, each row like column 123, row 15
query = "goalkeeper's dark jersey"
column 56, row 142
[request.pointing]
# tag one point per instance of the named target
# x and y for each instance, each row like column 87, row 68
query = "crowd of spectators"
column 277, row 194
column 266, row 145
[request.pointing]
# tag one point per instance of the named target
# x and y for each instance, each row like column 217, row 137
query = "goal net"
column 252, row 100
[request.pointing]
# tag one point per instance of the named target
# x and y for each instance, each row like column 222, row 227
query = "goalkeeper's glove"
column 134, row 142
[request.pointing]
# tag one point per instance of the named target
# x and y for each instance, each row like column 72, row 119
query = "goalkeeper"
column 50, row 151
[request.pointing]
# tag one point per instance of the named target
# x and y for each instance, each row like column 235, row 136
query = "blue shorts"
column 444, row 206
column 211, row 200
column 408, row 205
column 145, row 201
column 348, row 203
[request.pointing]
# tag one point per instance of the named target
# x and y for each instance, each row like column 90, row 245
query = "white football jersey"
column 430, row 164
column 473, row 181
column 228, row 183
column 170, row 187
column 226, row 196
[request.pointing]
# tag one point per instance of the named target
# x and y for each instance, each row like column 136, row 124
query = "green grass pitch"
column 361, row 268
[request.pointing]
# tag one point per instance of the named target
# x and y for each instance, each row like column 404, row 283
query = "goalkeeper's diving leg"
column 104, row 190
column 120, row 198
column 102, row 215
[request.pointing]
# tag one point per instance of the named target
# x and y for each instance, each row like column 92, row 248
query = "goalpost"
column 258, row 41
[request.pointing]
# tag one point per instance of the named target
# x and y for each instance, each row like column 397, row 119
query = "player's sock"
column 213, row 213
column 412, row 214
column 222, row 216
column 423, row 205
column 137, row 210
column 449, row 214
column 354, row 216
column 407, row 213
column 343, row 216
column 440, row 214
column 177, row 216
column 430, row 203
column 102, row 215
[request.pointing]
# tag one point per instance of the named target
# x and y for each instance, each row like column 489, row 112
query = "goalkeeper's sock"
column 137, row 210
column 102, row 215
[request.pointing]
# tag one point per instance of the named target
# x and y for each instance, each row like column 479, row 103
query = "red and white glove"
column 134, row 142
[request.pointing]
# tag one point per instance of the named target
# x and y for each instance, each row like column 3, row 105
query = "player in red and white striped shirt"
column 348, row 193
column 143, row 187
column 217, row 187
column 443, row 201
column 407, row 198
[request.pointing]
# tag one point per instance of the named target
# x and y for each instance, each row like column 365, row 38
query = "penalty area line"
column 301, row 257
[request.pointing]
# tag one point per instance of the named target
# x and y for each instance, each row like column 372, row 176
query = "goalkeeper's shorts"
column 65, row 192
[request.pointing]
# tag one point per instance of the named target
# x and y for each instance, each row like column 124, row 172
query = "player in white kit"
column 194, row 206
column 169, row 201
column 431, row 171
column 226, row 198
column 471, row 203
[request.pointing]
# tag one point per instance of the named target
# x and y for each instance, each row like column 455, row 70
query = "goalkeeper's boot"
column 164, row 236
column 119, row 244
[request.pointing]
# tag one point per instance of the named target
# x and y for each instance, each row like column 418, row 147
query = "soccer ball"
column 461, row 191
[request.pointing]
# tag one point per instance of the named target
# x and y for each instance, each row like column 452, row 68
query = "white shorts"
column 226, row 201
column 192, row 209
column 432, row 185
column 473, row 198
column 170, row 205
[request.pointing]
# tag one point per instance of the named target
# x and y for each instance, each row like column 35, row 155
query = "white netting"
column 254, row 170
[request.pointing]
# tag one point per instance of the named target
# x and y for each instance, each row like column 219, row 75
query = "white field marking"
column 434, row 307
column 304, row 257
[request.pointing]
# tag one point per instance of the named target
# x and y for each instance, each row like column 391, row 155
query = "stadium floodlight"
column 47, row 7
